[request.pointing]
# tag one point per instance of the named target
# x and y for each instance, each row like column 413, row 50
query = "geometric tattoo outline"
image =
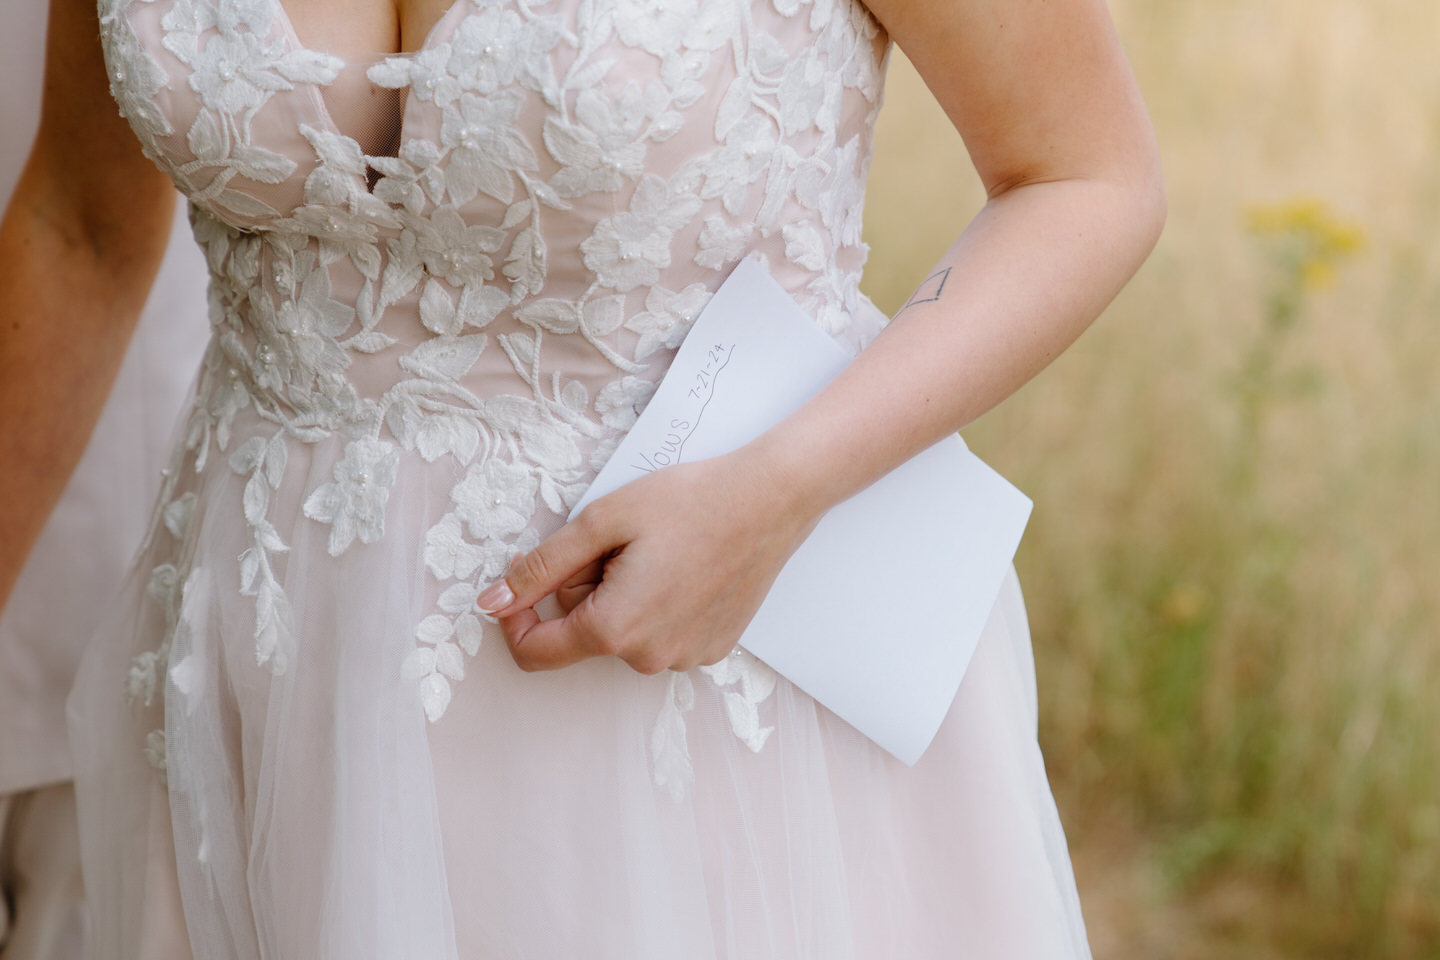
column 929, row 291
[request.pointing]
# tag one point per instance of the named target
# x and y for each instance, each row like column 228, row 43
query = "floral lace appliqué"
column 524, row 121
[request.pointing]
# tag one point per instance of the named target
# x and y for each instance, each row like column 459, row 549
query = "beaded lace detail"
column 545, row 202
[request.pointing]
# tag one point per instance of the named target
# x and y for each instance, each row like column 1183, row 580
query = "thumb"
column 539, row 573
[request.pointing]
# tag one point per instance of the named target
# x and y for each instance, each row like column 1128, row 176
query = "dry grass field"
column 1233, row 569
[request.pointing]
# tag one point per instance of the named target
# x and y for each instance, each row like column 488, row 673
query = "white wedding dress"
column 443, row 284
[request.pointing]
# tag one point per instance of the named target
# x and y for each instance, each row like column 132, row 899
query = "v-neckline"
column 456, row 10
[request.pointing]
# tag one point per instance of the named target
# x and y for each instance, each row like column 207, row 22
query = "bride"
column 366, row 695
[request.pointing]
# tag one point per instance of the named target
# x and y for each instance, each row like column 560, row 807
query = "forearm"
column 72, row 291
column 1023, row 281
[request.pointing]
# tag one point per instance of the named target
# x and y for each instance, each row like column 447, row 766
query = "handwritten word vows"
column 671, row 448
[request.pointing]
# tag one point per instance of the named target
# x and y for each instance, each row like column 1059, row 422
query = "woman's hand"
column 664, row 573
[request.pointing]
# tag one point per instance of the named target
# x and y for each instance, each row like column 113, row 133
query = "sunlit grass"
column 1233, row 569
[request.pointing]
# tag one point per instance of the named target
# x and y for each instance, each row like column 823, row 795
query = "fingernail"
column 497, row 596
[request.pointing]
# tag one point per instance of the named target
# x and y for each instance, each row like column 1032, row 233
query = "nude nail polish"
column 497, row 596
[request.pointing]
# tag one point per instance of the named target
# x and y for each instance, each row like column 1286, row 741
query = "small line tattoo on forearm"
column 929, row 291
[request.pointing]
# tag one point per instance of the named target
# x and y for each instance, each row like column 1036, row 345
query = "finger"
column 539, row 573
column 710, row 659
column 537, row 644
column 580, row 586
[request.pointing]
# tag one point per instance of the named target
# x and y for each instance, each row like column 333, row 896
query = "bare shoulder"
column 1039, row 89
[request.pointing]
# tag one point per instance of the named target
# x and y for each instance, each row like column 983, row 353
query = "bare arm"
column 1042, row 94
column 79, row 247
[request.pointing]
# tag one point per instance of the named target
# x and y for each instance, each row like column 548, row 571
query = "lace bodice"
column 490, row 294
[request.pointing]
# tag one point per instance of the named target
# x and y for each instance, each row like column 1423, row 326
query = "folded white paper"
column 877, row 614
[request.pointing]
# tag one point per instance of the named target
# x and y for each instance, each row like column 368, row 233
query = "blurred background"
column 1233, row 570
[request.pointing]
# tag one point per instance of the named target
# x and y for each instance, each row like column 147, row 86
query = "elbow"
column 1143, row 186
column 1130, row 200
column 1152, row 206
column 1132, row 180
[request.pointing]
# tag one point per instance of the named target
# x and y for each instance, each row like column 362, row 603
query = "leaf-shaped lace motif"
column 284, row 347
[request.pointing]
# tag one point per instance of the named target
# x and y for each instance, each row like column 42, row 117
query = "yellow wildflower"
column 1311, row 239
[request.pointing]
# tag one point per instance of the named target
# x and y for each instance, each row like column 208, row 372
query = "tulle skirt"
column 316, row 813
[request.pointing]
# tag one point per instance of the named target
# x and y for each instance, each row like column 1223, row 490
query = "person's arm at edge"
column 80, row 244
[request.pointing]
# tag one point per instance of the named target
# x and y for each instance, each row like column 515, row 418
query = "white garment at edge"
column 80, row 558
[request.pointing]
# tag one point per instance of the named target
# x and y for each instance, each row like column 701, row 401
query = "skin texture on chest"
column 363, row 32
column 362, row 29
